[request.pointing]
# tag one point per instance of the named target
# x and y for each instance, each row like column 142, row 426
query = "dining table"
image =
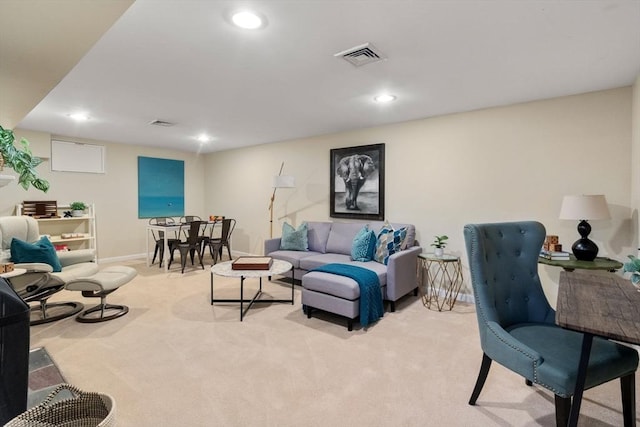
column 173, row 229
column 597, row 304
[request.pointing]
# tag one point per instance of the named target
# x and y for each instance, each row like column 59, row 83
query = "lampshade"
column 585, row 207
column 284, row 181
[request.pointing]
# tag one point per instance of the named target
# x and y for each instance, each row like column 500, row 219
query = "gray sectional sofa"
column 331, row 242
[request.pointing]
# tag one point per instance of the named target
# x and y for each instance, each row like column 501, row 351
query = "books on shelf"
column 555, row 255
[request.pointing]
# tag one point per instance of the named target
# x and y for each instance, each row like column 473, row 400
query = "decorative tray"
column 252, row 263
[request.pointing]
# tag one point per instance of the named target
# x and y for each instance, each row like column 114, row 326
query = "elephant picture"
column 357, row 182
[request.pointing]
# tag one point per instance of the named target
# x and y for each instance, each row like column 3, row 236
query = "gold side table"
column 440, row 280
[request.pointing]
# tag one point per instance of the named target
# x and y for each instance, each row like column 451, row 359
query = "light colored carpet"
column 175, row 360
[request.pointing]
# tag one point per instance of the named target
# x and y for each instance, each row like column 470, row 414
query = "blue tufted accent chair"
column 517, row 324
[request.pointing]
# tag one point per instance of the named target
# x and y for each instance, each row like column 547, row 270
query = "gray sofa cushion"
column 311, row 262
column 294, row 257
column 318, row 234
column 341, row 237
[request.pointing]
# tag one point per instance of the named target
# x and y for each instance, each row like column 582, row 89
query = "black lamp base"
column 585, row 250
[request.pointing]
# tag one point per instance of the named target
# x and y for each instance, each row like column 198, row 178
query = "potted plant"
column 633, row 267
column 20, row 160
column 77, row 208
column 439, row 244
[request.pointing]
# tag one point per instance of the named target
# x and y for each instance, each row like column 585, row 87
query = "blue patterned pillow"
column 294, row 240
column 364, row 245
column 40, row 251
column 389, row 242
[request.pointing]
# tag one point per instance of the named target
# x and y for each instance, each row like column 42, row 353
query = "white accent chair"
column 39, row 282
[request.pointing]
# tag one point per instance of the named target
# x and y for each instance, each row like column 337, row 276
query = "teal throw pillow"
column 40, row 251
column 294, row 240
column 389, row 242
column 364, row 245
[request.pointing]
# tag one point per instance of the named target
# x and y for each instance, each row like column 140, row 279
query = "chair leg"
column 155, row 253
column 563, row 408
column 482, row 376
column 229, row 251
column 628, row 389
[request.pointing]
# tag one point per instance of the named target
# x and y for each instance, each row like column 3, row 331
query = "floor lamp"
column 279, row 181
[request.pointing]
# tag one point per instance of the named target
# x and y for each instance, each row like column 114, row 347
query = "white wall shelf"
column 54, row 228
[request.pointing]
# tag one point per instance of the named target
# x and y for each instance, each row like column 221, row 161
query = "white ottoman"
column 100, row 285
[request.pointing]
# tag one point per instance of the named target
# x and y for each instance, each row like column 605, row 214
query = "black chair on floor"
column 192, row 245
column 158, row 236
column 216, row 244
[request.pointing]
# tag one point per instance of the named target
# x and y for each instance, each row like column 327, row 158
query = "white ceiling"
column 182, row 62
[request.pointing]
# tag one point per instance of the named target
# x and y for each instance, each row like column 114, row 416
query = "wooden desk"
column 605, row 305
column 599, row 263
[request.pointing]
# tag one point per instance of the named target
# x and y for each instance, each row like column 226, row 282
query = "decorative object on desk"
column 555, row 255
column 40, row 209
column 6, row 267
column 584, row 208
column 357, row 182
column 551, row 244
column 216, row 217
column 252, row 263
column 439, row 244
column 633, row 267
column 67, row 214
column 21, row 160
column 279, row 181
column 77, row 208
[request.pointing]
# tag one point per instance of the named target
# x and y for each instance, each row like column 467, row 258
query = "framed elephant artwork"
column 357, row 182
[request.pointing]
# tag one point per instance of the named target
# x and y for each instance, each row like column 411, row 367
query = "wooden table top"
column 601, row 304
column 572, row 263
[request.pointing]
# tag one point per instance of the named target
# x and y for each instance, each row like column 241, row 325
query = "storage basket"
column 84, row 409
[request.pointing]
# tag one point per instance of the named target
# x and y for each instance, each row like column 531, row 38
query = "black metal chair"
column 192, row 244
column 158, row 236
column 216, row 244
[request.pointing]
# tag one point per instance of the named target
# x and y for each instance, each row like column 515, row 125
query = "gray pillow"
column 294, row 240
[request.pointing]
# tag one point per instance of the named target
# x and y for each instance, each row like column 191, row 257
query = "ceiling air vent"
column 361, row 55
column 161, row 123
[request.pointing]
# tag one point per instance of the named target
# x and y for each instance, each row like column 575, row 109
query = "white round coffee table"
column 224, row 269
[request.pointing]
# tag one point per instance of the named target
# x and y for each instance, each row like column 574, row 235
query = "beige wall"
column 498, row 164
column 635, row 158
column 115, row 193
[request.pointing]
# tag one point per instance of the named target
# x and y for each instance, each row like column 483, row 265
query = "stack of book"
column 555, row 255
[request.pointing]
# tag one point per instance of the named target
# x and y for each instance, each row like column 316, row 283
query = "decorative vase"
column 438, row 252
column 76, row 212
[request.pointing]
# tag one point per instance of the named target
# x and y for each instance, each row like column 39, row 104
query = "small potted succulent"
column 439, row 243
column 77, row 208
column 633, row 267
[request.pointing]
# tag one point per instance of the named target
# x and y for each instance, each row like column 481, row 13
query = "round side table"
column 440, row 280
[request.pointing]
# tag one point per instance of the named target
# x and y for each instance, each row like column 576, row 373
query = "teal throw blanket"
column 371, row 306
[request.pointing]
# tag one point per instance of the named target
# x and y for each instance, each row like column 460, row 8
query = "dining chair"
column 158, row 236
column 517, row 324
column 192, row 245
column 216, row 244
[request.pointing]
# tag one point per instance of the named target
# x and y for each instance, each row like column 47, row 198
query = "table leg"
column 585, row 353
column 292, row 283
column 241, row 297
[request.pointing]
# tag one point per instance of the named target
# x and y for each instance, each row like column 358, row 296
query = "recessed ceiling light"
column 204, row 138
column 247, row 19
column 80, row 117
column 384, row 98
